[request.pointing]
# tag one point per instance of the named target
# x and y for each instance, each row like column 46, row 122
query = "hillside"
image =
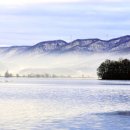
column 83, row 46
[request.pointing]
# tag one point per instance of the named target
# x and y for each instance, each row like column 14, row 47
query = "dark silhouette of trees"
column 17, row 75
column 114, row 70
column 7, row 74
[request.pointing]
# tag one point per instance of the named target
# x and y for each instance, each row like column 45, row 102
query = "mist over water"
column 64, row 64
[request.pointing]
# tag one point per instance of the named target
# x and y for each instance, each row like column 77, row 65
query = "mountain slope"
column 85, row 46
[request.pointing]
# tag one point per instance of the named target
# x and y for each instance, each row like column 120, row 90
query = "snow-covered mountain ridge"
column 116, row 45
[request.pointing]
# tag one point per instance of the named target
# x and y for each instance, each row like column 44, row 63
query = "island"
column 114, row 70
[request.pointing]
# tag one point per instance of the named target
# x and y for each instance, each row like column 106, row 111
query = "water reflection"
column 47, row 106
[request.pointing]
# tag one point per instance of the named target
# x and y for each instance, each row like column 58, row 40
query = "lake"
column 64, row 104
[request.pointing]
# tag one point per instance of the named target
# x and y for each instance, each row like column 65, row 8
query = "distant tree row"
column 114, row 70
column 46, row 75
column 7, row 74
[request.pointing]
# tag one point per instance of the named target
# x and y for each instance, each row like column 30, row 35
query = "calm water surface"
column 64, row 104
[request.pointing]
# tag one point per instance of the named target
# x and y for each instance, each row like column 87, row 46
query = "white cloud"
column 15, row 3
column 23, row 2
column 110, row 1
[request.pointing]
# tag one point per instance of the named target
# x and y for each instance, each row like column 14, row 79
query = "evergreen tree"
column 114, row 69
column 7, row 74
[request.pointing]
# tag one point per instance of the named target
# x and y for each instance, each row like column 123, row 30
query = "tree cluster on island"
column 114, row 70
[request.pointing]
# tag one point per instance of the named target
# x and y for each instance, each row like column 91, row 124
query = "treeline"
column 114, row 70
column 8, row 74
column 46, row 75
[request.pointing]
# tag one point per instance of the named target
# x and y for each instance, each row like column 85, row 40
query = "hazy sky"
column 26, row 22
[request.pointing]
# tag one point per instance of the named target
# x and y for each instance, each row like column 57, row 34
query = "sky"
column 27, row 22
